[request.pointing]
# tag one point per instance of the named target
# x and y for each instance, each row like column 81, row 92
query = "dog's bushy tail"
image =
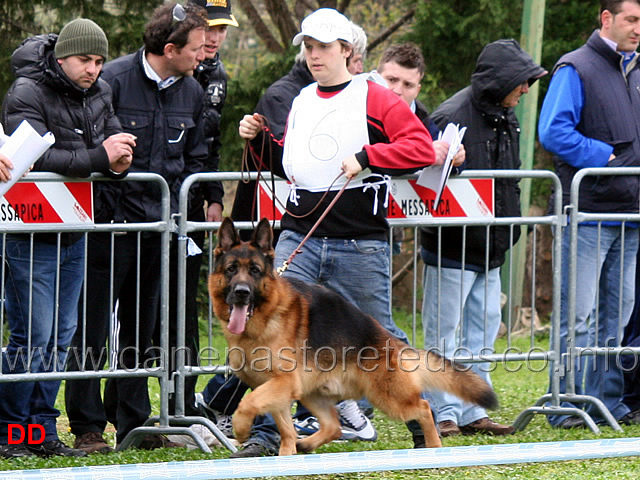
column 439, row 373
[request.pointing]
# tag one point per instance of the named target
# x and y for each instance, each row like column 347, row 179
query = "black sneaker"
column 631, row 418
column 17, row 450
column 253, row 449
column 55, row 447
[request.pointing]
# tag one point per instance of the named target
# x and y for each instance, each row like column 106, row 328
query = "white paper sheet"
column 23, row 148
column 435, row 177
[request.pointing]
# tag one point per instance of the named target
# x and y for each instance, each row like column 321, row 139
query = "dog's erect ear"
column 263, row 237
column 227, row 236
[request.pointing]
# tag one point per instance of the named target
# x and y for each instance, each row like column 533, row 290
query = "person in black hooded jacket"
column 57, row 89
column 503, row 73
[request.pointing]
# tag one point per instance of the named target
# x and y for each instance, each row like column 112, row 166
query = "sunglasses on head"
column 179, row 14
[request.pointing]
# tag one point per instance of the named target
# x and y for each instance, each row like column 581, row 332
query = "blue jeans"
column 629, row 363
column 359, row 270
column 601, row 375
column 44, row 340
column 460, row 316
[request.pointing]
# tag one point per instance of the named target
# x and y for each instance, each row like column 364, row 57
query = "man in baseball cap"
column 218, row 12
column 325, row 25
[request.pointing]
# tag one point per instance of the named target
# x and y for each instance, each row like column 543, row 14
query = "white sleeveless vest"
column 322, row 132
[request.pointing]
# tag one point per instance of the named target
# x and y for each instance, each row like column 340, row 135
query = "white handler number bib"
column 322, row 132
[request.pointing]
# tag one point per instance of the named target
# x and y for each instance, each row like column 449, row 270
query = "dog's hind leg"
column 425, row 419
column 323, row 409
column 406, row 404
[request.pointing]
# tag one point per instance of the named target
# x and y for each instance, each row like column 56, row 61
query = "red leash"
column 287, row 262
column 257, row 165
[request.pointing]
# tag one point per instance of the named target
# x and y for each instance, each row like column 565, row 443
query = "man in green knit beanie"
column 58, row 89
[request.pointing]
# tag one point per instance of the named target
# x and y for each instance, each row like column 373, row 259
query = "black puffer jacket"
column 212, row 77
column 491, row 142
column 80, row 119
column 170, row 141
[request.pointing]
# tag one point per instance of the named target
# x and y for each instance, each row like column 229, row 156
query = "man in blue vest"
column 591, row 118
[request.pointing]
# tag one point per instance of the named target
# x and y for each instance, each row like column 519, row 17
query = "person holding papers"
column 461, row 312
column 58, row 90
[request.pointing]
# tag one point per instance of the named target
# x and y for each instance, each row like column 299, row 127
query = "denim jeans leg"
column 360, row 271
column 604, row 378
column 306, row 264
column 588, row 264
column 479, row 332
column 265, row 432
column 34, row 272
column 43, row 409
column 444, row 291
column 224, row 393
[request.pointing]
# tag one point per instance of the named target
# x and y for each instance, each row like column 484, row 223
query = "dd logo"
column 30, row 428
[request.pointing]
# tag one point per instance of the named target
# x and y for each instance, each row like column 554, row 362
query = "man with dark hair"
column 57, row 89
column 206, row 203
column 590, row 117
column 402, row 68
column 156, row 99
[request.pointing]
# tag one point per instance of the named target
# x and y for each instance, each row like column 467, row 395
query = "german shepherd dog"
column 290, row 340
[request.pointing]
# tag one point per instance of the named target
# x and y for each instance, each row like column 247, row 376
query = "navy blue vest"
column 611, row 114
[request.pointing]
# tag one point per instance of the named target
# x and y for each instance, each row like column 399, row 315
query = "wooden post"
column 527, row 112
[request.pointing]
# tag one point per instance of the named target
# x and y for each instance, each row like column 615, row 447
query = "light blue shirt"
column 151, row 73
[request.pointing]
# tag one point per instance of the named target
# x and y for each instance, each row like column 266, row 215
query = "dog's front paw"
column 304, row 446
column 241, row 427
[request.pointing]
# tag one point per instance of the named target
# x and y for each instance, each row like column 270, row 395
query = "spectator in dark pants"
column 631, row 363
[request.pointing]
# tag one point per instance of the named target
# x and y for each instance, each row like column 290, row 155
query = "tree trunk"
column 260, row 27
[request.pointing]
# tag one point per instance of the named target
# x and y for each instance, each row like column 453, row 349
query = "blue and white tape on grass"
column 332, row 463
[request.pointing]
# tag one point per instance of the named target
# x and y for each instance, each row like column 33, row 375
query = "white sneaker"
column 306, row 427
column 224, row 425
column 355, row 425
column 223, row 422
column 203, row 432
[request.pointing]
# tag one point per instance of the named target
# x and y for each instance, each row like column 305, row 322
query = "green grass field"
column 516, row 390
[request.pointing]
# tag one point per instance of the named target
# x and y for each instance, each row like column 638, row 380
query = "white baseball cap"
column 325, row 25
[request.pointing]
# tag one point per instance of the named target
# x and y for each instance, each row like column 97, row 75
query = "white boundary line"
column 332, row 463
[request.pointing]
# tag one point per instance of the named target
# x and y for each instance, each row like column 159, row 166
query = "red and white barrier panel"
column 48, row 202
column 462, row 197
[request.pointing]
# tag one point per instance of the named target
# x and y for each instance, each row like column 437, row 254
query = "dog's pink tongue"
column 238, row 319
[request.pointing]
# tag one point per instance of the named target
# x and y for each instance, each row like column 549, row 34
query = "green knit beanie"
column 81, row 37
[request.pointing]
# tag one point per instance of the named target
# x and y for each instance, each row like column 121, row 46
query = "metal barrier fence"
column 173, row 382
column 553, row 221
column 109, row 367
column 571, row 363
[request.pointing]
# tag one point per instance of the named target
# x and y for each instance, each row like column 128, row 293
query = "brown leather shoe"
column 92, row 442
column 153, row 441
column 488, row 426
column 448, row 428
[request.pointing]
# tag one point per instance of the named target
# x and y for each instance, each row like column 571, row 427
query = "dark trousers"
column 192, row 340
column 223, row 393
column 126, row 403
